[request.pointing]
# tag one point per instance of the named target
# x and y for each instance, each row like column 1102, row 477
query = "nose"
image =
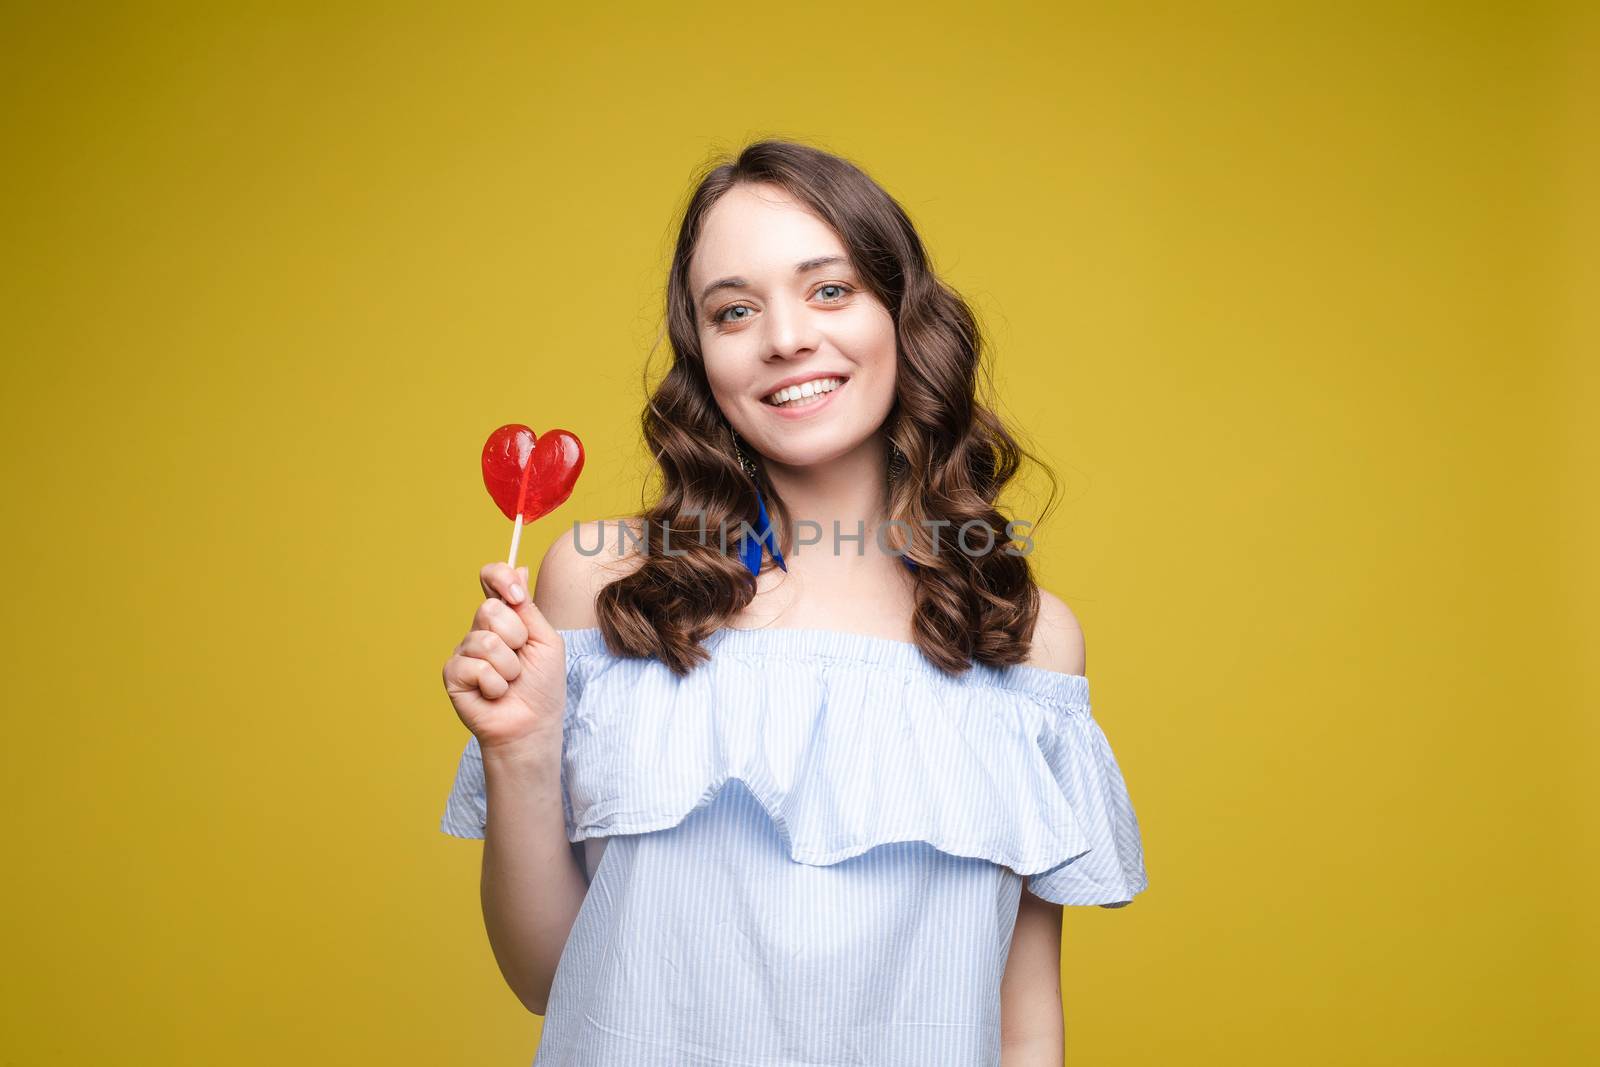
column 791, row 331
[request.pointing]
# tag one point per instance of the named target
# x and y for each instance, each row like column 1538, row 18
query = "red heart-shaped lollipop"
column 529, row 475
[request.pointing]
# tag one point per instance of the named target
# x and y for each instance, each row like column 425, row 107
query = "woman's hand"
column 508, row 676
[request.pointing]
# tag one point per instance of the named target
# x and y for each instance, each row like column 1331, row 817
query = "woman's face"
column 766, row 325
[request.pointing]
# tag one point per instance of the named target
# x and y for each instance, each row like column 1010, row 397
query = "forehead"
column 758, row 230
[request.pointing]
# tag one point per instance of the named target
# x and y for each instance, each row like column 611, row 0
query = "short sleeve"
column 1112, row 871
column 466, row 810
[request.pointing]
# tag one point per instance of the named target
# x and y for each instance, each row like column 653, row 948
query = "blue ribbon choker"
column 750, row 552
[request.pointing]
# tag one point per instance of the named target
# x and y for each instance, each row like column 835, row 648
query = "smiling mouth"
column 805, row 394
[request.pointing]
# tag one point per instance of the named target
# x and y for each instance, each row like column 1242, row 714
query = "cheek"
column 878, row 350
column 886, row 371
column 724, row 377
column 873, row 337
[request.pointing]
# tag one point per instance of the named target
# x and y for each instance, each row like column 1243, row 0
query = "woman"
column 826, row 746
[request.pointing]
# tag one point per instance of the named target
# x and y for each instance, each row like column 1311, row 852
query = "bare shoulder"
column 1057, row 638
column 583, row 559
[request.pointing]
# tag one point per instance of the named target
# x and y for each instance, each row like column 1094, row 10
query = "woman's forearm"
column 532, row 886
column 1045, row 1051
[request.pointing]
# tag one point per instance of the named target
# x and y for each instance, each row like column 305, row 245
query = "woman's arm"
column 532, row 883
column 531, row 886
column 1032, row 1032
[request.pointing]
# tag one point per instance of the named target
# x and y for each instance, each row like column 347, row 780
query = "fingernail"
column 515, row 595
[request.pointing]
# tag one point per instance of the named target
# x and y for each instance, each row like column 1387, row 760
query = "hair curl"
column 959, row 455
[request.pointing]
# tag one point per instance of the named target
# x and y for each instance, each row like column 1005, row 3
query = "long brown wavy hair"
column 970, row 606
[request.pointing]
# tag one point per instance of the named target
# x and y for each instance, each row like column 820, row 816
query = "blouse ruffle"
column 848, row 741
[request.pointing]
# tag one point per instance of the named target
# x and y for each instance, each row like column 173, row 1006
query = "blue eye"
column 719, row 320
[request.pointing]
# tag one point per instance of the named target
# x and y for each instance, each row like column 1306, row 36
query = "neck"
column 849, row 490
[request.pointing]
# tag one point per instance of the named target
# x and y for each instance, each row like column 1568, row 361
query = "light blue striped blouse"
column 850, row 897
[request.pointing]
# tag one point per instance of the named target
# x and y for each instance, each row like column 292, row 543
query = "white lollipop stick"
column 516, row 535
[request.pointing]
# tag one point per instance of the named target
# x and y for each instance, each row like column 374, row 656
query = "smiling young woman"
column 828, row 801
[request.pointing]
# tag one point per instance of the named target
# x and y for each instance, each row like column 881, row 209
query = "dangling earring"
column 897, row 466
column 897, row 462
column 746, row 464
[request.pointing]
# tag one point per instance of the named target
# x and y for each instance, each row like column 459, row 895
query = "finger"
column 491, row 684
column 538, row 624
column 486, row 645
column 499, row 580
column 493, row 615
column 538, row 627
column 463, row 674
column 509, row 586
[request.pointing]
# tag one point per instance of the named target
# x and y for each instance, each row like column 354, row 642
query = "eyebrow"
column 799, row 268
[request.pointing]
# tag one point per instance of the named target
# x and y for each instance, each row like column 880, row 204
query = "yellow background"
column 1299, row 300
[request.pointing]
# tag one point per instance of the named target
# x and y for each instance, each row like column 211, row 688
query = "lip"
column 810, row 409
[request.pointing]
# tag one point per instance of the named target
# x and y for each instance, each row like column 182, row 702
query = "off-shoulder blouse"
column 813, row 847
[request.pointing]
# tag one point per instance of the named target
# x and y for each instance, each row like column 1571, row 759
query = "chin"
column 815, row 455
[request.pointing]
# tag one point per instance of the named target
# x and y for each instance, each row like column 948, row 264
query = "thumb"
column 538, row 626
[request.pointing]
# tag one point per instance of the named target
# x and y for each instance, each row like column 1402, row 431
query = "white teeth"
column 815, row 387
